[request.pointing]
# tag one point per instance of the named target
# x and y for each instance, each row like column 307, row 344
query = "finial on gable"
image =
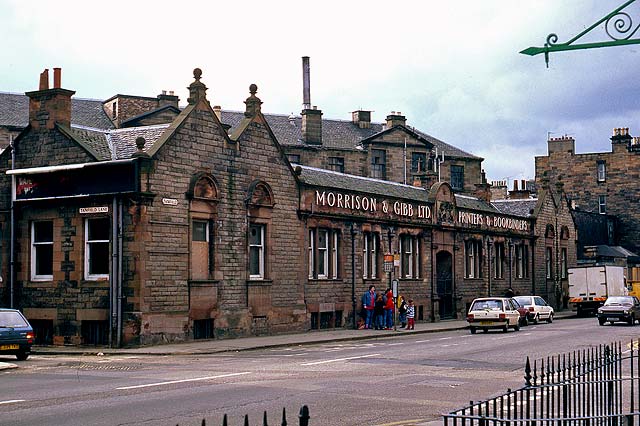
column 197, row 89
column 253, row 102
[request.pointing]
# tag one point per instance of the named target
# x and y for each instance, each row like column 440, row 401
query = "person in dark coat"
column 368, row 304
column 378, row 312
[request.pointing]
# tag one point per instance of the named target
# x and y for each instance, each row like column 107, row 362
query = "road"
column 401, row 380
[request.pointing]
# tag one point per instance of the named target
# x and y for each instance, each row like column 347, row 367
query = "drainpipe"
column 119, row 276
column 12, row 228
column 113, row 293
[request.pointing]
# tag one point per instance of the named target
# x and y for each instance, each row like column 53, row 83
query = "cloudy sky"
column 452, row 68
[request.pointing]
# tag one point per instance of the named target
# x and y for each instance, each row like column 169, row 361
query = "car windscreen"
column 619, row 301
column 490, row 305
column 12, row 319
column 523, row 300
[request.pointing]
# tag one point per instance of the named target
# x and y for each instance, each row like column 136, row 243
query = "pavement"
column 215, row 346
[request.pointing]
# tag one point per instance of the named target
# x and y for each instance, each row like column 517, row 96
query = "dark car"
column 16, row 334
column 524, row 313
column 619, row 308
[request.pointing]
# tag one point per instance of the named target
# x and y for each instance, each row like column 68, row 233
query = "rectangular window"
column 201, row 250
column 602, row 204
column 293, row 158
column 549, row 262
column 324, row 253
column 457, row 177
column 522, row 267
column 256, row 251
column 96, row 239
column 42, row 251
column 418, row 162
column 409, row 257
column 602, row 171
column 473, row 259
column 370, row 255
column 378, row 163
column 563, row 263
column 498, row 267
column 336, row 164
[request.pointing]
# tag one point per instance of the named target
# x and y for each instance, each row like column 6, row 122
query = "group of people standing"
column 378, row 310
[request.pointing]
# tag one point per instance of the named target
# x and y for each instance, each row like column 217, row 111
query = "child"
column 378, row 313
column 402, row 310
column 411, row 314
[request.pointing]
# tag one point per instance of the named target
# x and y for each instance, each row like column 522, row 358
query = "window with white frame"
column 409, row 257
column 602, row 204
column 256, row 251
column 96, row 243
column 42, row 251
column 498, row 267
column 370, row 255
column 324, row 251
column 602, row 170
column 549, row 262
column 473, row 259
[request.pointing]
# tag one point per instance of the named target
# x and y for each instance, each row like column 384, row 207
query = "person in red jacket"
column 388, row 309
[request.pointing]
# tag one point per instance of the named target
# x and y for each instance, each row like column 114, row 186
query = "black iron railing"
column 303, row 418
column 598, row 386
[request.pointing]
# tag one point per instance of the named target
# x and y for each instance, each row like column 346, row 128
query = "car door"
column 512, row 312
column 541, row 307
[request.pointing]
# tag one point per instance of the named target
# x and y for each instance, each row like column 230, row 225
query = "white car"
column 493, row 312
column 538, row 308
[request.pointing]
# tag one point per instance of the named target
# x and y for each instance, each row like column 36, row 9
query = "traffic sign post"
column 394, row 290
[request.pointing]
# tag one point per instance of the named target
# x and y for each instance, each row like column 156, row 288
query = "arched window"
column 260, row 204
column 564, row 233
column 550, row 232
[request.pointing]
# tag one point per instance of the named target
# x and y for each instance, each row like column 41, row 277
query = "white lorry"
column 589, row 287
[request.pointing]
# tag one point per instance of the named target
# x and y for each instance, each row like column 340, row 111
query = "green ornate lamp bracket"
column 618, row 26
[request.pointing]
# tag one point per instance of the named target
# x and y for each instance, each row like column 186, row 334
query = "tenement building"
column 137, row 221
column 599, row 184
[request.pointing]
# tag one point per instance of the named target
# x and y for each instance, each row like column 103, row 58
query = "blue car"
column 16, row 334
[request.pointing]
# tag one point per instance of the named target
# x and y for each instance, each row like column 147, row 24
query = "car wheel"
column 536, row 319
column 516, row 327
column 22, row 356
column 485, row 330
column 505, row 329
column 472, row 330
column 524, row 322
column 550, row 319
column 631, row 320
column 601, row 321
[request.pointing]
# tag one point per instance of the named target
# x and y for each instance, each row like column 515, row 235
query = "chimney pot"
column 306, row 84
column 57, row 78
column 515, row 184
column 170, row 92
column 164, row 92
column 44, row 80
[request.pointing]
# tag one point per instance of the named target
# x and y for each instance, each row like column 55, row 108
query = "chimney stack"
column 311, row 117
column 519, row 194
column 483, row 189
column 170, row 99
column 48, row 107
column 396, row 119
column 361, row 119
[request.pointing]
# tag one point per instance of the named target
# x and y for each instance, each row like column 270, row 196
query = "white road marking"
column 339, row 359
column 421, row 341
column 445, row 338
column 197, row 379
column 12, row 401
column 396, row 344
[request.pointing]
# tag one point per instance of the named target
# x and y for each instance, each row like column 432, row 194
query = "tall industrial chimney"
column 306, row 86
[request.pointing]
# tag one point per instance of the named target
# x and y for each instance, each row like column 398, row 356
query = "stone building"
column 171, row 223
column 603, row 183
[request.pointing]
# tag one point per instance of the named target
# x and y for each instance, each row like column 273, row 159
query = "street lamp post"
column 489, row 247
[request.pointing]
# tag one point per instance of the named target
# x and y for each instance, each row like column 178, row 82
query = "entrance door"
column 444, row 280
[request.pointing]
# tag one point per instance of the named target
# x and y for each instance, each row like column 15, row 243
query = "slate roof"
column 472, row 203
column 330, row 179
column 613, row 251
column 520, row 208
column 117, row 144
column 336, row 134
column 14, row 111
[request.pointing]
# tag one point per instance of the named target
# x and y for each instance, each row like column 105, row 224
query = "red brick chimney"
column 50, row 106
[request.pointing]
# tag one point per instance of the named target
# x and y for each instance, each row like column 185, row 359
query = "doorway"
column 444, row 284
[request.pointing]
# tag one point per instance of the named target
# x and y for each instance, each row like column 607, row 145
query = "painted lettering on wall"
column 468, row 218
column 371, row 205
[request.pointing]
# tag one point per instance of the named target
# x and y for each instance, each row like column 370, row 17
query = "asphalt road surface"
column 395, row 381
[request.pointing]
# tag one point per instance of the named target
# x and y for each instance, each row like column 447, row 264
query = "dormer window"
column 114, row 110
